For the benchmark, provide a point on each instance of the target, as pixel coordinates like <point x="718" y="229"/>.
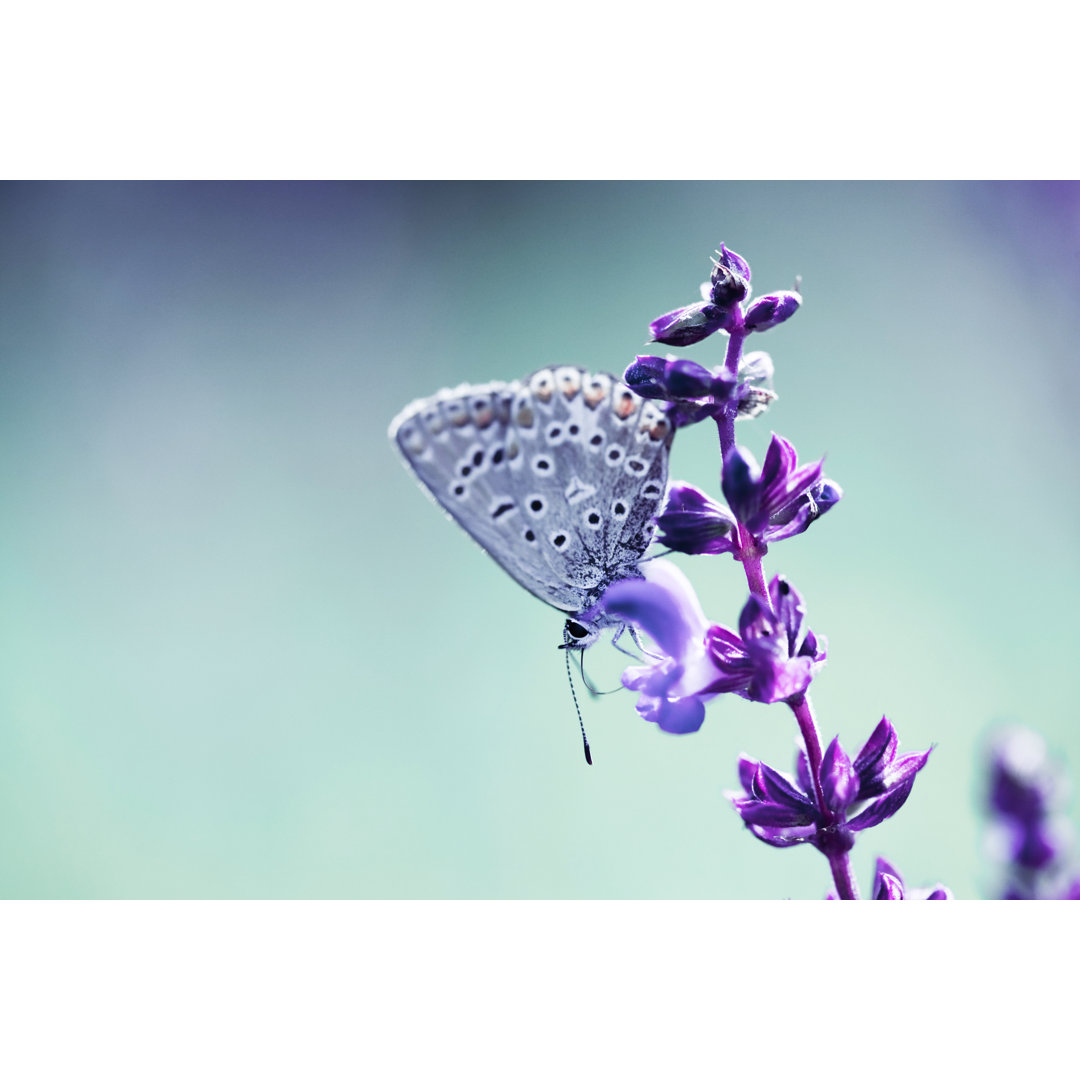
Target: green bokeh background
<point x="244" y="656"/>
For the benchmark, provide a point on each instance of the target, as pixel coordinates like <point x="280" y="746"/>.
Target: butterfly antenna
<point x="577" y="708"/>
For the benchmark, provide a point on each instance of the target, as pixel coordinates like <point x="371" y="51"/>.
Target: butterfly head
<point x="579" y="635"/>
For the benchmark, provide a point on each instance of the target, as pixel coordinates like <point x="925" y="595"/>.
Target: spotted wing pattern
<point x="557" y="476"/>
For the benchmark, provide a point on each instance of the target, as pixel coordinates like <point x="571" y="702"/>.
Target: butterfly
<point x="557" y="476"/>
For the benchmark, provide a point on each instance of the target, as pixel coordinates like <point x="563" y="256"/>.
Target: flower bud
<point x="886" y="887"/>
<point x="839" y="784"/>
<point x="687" y="325"/>
<point x="769" y="311"/>
<point x="645" y="376"/>
<point x="729" y="283"/>
<point x="740" y="480"/>
<point x="693" y="524"/>
<point x="687" y="381"/>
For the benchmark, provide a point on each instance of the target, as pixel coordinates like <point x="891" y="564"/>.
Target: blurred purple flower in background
<point x="1029" y="835"/>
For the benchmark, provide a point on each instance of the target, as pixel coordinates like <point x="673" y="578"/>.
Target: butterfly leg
<point x="632" y="630"/>
<point x="633" y="633"/>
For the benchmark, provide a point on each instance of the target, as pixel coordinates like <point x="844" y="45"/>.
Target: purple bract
<point x="781" y="498"/>
<point x="853" y="795"/>
<point x="774" y="656"/>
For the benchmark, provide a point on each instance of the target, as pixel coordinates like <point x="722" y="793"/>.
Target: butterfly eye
<point x="576" y="630"/>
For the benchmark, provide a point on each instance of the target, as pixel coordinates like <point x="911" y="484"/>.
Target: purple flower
<point x="1023" y="783"/>
<point x="783" y="811"/>
<point x="774" y="656"/>
<point x="781" y="499"/>
<point x="671" y="692"/>
<point x="695" y="525"/>
<point x="672" y="379"/>
<point x="889" y="885"/>
<point x="696" y="393"/>
<point x="688" y="325"/>
<point x="797" y="516"/>
<point x="882" y="773"/>
<point x="1028" y="832"/>
<point x="769" y="311"/>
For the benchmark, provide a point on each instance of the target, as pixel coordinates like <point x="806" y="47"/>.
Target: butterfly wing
<point x="556" y="476"/>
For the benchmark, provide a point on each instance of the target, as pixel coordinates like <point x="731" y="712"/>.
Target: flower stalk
<point x="772" y="655"/>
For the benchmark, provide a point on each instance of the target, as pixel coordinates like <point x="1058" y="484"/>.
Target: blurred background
<point x="243" y="655"/>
